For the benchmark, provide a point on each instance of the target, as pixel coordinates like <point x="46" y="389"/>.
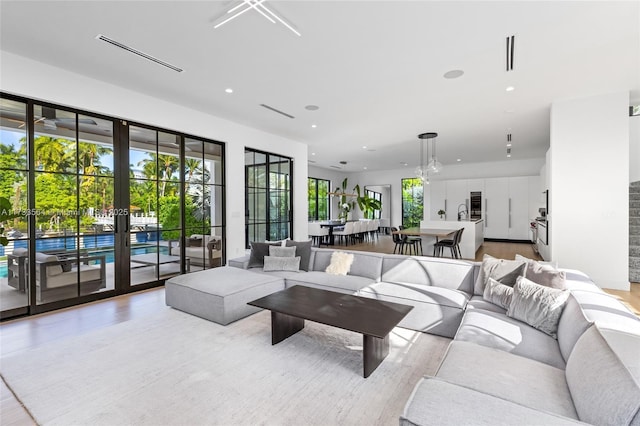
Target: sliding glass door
<point x="267" y="196"/>
<point x="93" y="206"/>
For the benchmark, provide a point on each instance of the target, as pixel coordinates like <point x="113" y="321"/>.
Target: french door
<point x="93" y="206"/>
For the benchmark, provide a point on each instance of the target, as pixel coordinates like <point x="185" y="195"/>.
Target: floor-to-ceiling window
<point x="318" y="197"/>
<point x="412" y="202"/>
<point x="268" y="195"/>
<point x="376" y="196"/>
<point x="101" y="206"/>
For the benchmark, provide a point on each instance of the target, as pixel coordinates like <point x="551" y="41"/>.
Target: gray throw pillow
<point x="276" y="263"/>
<point x="544" y="274"/>
<point x="504" y="271"/>
<point x="282" y="251"/>
<point x="303" y="249"/>
<point x="498" y="294"/>
<point x="537" y="305"/>
<point x="258" y="252"/>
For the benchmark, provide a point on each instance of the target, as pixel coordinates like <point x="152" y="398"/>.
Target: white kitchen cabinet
<point x="475" y="185"/>
<point x="496" y="208"/>
<point x="457" y="196"/>
<point x="519" y="219"/>
<point x="438" y="190"/>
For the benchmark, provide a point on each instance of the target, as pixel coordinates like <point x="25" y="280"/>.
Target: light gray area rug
<point x="172" y="368"/>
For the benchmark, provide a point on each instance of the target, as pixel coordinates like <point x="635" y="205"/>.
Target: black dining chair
<point x="398" y="240"/>
<point x="453" y="245"/>
<point x="412" y="242"/>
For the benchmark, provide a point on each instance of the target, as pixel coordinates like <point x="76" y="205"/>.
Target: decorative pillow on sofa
<point x="498" y="294"/>
<point x="504" y="271"/>
<point x="303" y="249"/>
<point x="258" y="252"/>
<point x="544" y="274"/>
<point x="537" y="305"/>
<point x="282" y="251"/>
<point x="340" y="263"/>
<point x="278" y="263"/>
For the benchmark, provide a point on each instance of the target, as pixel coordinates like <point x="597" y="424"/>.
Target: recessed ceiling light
<point x="508" y="155"/>
<point x="405" y="164"/>
<point x="510" y="88"/>
<point x="453" y="74"/>
<point x="228" y="90"/>
<point x="364" y="147"/>
<point x="314" y="126"/>
<point x="365" y="167"/>
<point x="459" y="159"/>
<point x="509" y="111"/>
<point x="313" y="153"/>
<point x="312" y="107"/>
<point x="508" y="144"/>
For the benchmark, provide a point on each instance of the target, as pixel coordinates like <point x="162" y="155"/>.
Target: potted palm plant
<point x="441" y="213"/>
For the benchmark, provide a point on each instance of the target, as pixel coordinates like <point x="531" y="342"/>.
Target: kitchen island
<point x="472" y="237"/>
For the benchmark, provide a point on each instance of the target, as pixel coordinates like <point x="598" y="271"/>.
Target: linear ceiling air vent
<point x="137" y="52"/>
<point x="511" y="40"/>
<point x="336" y="167"/>
<point x="276" y="110"/>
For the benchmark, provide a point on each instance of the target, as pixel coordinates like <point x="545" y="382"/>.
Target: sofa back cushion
<point x="603" y="374"/>
<point x="572" y="324"/>
<point x="446" y="273"/>
<point x="365" y="264"/>
<point x="52" y="270"/>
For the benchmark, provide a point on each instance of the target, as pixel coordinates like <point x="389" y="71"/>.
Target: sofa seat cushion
<point x="499" y="331"/>
<point x="505" y="375"/>
<point x="437" y="402"/>
<point x="478" y="302"/>
<point x="87" y="273"/>
<point x="420" y="293"/>
<point x="349" y="284"/>
<point x="220" y="294"/>
<point x="436" y="310"/>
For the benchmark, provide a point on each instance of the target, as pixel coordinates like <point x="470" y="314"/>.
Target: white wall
<point x="25" y="77"/>
<point x="589" y="172"/>
<point x="634" y="149"/>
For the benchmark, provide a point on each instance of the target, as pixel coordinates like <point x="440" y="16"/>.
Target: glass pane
<point x="168" y="162"/>
<point x="213" y="160"/>
<point x="55" y="139"/>
<point x="95" y="148"/>
<point x="13" y="136"/>
<point x="14" y="260"/>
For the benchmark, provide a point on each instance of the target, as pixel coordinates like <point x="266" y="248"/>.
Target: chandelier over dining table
<point x="433" y="166"/>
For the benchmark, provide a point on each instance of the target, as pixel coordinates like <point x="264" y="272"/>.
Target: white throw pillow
<point x="498" y="294"/>
<point x="537" y="305"/>
<point x="340" y="263"/>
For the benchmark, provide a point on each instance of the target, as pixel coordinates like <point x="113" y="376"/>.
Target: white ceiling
<point x="375" y="68"/>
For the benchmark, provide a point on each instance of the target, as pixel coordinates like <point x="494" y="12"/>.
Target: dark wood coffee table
<point x="373" y="318"/>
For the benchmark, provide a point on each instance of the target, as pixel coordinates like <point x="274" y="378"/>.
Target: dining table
<point x="331" y="224"/>
<point x="427" y="232"/>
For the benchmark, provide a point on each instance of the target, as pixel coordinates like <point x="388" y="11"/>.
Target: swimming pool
<point x="107" y="253"/>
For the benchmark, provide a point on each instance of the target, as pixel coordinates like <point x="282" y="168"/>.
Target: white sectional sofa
<point x="499" y="370"/>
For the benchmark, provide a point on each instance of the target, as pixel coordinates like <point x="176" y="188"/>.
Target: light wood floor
<point x="33" y="331"/>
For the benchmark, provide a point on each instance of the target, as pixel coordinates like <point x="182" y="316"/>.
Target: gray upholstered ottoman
<point x="220" y="294"/>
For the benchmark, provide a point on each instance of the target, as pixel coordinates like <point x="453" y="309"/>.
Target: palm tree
<point x="89" y="157"/>
<point x="53" y="154"/>
<point x="191" y="166"/>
